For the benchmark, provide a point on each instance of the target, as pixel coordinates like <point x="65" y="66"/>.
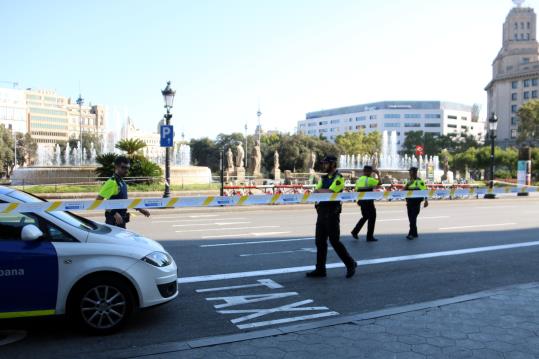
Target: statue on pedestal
<point x="312" y="162"/>
<point x="240" y="155"/>
<point x="229" y="160"/>
<point x="256" y="159"/>
<point x="276" y="167"/>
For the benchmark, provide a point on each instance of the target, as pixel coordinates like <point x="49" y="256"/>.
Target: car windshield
<point x="66" y="217"/>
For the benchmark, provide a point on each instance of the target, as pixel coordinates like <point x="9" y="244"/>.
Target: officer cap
<point x="413" y="169"/>
<point x="367" y="168"/>
<point x="329" y="159"/>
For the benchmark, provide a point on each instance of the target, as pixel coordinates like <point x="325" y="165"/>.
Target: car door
<point x="28" y="270"/>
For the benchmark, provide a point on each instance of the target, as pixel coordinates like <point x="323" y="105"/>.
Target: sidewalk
<point x="502" y="323"/>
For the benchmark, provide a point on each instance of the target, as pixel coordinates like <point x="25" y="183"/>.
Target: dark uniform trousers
<point x="328" y="226"/>
<point x="413" y="205"/>
<point x="368" y="214"/>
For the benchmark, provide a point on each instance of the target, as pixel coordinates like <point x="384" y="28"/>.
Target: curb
<point x="173" y="347"/>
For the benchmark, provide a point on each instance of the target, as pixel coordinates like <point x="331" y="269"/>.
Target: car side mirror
<point x="31" y="233"/>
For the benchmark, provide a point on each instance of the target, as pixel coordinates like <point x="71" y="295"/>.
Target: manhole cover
<point x="11" y="336"/>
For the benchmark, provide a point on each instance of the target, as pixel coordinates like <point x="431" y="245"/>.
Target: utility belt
<point x="126" y="216"/>
<point x="327" y="208"/>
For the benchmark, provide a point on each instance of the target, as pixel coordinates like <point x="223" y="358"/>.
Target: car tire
<point x="101" y="305"/>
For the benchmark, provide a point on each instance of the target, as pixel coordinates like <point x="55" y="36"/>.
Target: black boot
<point x="350" y="271"/>
<point x="317" y="273"/>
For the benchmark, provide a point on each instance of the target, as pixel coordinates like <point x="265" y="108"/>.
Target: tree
<point x="131" y="146"/>
<point x="7" y="153"/>
<point x="528" y="126"/>
<point x="354" y="143"/>
<point x="204" y="152"/>
<point x="26" y="149"/>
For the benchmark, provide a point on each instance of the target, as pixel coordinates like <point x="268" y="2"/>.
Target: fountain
<point x="394" y="165"/>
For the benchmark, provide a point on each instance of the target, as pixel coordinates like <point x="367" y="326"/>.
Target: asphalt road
<point x="244" y="270"/>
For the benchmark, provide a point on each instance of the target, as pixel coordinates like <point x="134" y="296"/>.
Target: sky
<point x="226" y="58"/>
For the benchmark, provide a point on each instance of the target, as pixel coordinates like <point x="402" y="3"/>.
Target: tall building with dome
<point x="515" y="71"/>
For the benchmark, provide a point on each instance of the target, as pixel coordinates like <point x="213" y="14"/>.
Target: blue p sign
<point x="167" y="136"/>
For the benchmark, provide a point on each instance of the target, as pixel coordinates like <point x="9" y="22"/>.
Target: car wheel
<point x="101" y="306"/>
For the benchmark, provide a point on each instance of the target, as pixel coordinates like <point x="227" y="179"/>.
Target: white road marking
<point x="287" y="320"/>
<point x="257" y="242"/>
<point x="248" y="299"/>
<point x="225" y="229"/>
<point x="478" y="226"/>
<point x="261" y="283"/>
<point x="310" y="250"/>
<point x="255" y="234"/>
<point x="277" y="271"/>
<point x="197" y="220"/>
<point x="204" y="215"/>
<point x="209" y="224"/>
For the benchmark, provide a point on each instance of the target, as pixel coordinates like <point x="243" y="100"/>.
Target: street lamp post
<point x="80" y="102"/>
<point x="492" y="126"/>
<point x="246" y="148"/>
<point x="168" y="96"/>
<point x="222" y="170"/>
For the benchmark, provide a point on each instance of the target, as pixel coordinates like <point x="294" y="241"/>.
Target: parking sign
<point x="167" y="136"/>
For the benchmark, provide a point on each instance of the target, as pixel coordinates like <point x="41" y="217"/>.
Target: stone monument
<point x="256" y="160"/>
<point x="312" y="163"/>
<point x="276" y="167"/>
<point x="240" y="170"/>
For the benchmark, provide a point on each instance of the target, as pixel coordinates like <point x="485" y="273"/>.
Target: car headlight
<point x="158" y="259"/>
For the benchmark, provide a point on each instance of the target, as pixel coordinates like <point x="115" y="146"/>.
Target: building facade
<point x="515" y="72"/>
<point x="439" y="118"/>
<point x="52" y="118"/>
<point x="13" y="110"/>
<point x="48" y="116"/>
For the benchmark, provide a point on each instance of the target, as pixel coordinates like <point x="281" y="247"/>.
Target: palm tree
<point x="131" y="146"/>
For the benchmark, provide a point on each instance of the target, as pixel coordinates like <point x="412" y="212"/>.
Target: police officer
<point x="367" y="183"/>
<point x="413" y="205"/>
<point x="116" y="188"/>
<point x="328" y="222"/>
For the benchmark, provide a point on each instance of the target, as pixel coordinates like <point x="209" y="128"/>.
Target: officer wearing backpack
<point x="116" y="188"/>
<point x="413" y="205"/>
<point x="328" y="222"/>
<point x="367" y="183"/>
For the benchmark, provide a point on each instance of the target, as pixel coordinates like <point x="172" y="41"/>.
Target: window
<point x="44" y="111"/>
<point x="516" y="26"/>
<point x="514" y="84"/>
<point x="321" y="123"/>
<point x="433" y="115"/>
<point x="372" y="117"/>
<point x="522" y="25"/>
<point x="361" y="118"/>
<point x="527" y="83"/>
<point x="514" y="96"/>
<point x="412" y="115"/>
<point x="11" y="225"/>
<point x="528" y="25"/>
<point x="535" y="82"/>
<point x="323" y="130"/>
<point x="335" y="121"/>
<point x="515" y="36"/>
<point x="513" y="133"/>
<point x="392" y="124"/>
<point x="526" y="60"/>
<point x="534" y="94"/>
<point x="464" y="128"/>
<point x="451" y="117"/>
<point x="527" y="36"/>
<point x="514" y="108"/>
<point x="358" y="127"/>
<point x="412" y="124"/>
<point x="392" y="115"/>
<point x="373" y="125"/>
<point x="514" y="121"/>
<point x="311" y="124"/>
<point x="526" y="95"/>
<point x="464" y="118"/>
<point x="432" y="125"/>
<point x="451" y="126"/>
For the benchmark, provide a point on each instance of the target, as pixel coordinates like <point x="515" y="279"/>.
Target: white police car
<point x="59" y="263"/>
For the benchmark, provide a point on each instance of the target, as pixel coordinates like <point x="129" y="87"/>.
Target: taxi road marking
<point x="248" y="315"/>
